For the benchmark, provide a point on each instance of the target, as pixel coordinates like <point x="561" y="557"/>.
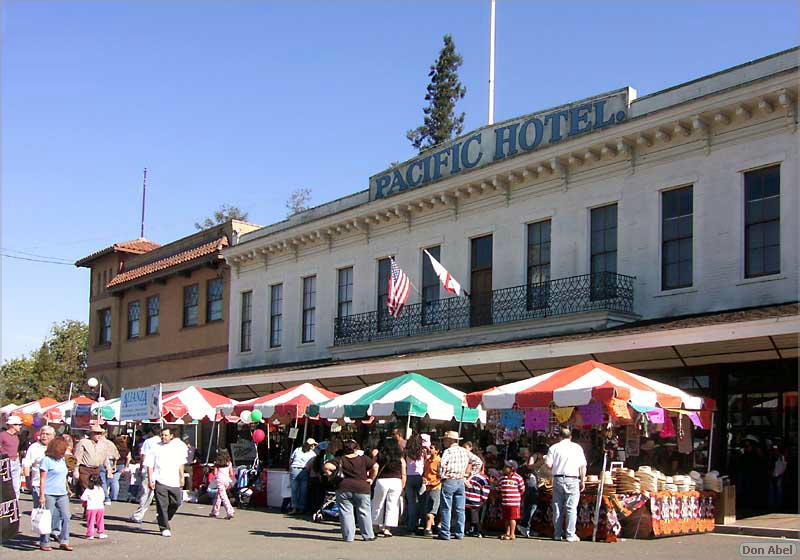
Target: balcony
<point x="603" y="291"/>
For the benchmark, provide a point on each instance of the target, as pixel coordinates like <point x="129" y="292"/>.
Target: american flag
<point x="399" y="287"/>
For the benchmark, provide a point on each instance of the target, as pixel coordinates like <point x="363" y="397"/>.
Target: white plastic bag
<point x="41" y="521"/>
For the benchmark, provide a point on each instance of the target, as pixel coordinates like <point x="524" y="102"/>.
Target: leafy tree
<point x="222" y="215"/>
<point x="48" y="371"/>
<point x="444" y="90"/>
<point x="299" y="201"/>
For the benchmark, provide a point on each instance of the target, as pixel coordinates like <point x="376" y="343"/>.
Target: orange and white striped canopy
<point x="581" y="383"/>
<point x="290" y="402"/>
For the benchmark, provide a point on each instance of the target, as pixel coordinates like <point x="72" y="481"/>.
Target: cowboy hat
<point x="451" y="435"/>
<point x="96" y="429"/>
<point x="14" y="420"/>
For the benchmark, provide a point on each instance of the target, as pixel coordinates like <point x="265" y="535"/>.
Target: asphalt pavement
<point x="260" y="534"/>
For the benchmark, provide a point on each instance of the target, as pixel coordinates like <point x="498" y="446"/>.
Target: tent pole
<point x="305" y="429"/>
<point x="599" y="497"/>
<point x="408" y="427"/>
<point x="711" y="441"/>
<point x="460" y="420"/>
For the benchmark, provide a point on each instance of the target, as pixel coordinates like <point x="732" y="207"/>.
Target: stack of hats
<point x="625" y="482"/>
<point x="648" y="479"/>
<point x="697" y="479"/>
<point x="682" y="482"/>
<point x="712" y="482"/>
<point x="609" y="487"/>
<point x="670" y="485"/>
<point x="592" y="482"/>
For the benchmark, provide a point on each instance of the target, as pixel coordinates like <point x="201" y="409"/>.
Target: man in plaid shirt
<point x="456" y="466"/>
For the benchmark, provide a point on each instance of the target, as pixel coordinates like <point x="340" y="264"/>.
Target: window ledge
<point x="245" y="352"/>
<point x="274" y="349"/>
<point x="677" y="292"/>
<point x="100" y="347"/>
<point x="197" y="326"/>
<point x="759" y="279"/>
<point x="214" y="321"/>
<point x="307" y="344"/>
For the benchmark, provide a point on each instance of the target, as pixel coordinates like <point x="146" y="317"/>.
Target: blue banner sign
<point x="502" y="141"/>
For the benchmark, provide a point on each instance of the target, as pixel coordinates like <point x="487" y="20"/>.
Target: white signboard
<point x="143" y="403"/>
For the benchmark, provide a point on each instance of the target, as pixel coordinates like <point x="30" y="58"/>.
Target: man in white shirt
<point x="146" y="493"/>
<point x="165" y="476"/>
<point x="568" y="463"/>
<point x="34" y="456"/>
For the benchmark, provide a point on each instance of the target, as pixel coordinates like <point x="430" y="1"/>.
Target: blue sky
<point x="242" y="102"/>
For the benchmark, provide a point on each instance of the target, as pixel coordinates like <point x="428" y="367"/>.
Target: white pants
<point x="386" y="502"/>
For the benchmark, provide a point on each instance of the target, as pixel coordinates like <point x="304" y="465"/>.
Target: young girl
<point x="94" y="498"/>
<point x="477" y="493"/>
<point x="512" y="488"/>
<point x="223" y="476"/>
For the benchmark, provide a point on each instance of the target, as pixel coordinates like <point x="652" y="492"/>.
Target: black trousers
<point x="168" y="500"/>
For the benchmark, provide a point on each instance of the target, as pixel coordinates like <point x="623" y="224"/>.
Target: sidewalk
<point x="786" y="525"/>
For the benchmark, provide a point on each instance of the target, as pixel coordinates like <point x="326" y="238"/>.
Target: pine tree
<point x="445" y="89"/>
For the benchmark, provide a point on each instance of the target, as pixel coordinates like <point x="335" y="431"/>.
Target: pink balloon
<point x="259" y="436"/>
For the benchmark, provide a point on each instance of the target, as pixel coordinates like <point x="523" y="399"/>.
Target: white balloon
<point x="245" y="416"/>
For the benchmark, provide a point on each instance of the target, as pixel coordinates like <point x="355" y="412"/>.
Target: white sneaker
<point x="573" y="538"/>
<point x="90" y="538"/>
<point x="166" y="533"/>
<point x="102" y="536"/>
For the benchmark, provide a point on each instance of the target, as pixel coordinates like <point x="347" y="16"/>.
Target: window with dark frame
<point x="215" y="290"/>
<point x="384" y="270"/>
<point x="153" y="304"/>
<point x="762" y="233"/>
<point x="603" y="250"/>
<point x="134" y="312"/>
<point x="275" y="315"/>
<point x="309" y="307"/>
<point x="430" y="286"/>
<point x="247" y="322"/>
<point x="344" y="298"/>
<point x="191" y="305"/>
<point x="104" y="321"/>
<point x="677" y="236"/>
<point x="538" y="264"/>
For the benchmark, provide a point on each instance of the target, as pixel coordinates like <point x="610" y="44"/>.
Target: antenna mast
<point x="144" y="198"/>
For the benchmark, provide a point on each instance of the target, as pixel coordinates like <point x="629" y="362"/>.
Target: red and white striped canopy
<point x="290" y="402"/>
<point x="581" y="383"/>
<point x="58" y="411"/>
<point x="34" y="407"/>
<point x="193" y="403"/>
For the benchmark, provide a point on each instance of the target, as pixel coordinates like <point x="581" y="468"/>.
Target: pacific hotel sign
<point x="502" y="141"/>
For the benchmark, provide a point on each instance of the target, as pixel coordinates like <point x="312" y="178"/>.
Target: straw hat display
<point x="648" y="479"/>
<point x="625" y="482"/>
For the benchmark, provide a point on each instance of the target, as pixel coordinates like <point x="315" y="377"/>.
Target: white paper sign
<point x="141" y="404"/>
<point x="293" y="433"/>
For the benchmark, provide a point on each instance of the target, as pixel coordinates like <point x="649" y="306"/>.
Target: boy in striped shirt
<point x="477" y="494"/>
<point x="512" y="488"/>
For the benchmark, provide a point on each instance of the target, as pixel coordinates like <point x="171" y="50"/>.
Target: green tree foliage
<point x="222" y="215"/>
<point x="48" y="371"/>
<point x="444" y="90"/>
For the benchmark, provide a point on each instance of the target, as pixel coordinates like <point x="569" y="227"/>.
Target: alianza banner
<point x="143" y="403"/>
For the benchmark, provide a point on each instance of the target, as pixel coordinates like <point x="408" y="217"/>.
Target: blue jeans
<point x="566" y="493"/>
<point x="413" y="501"/>
<point x="352" y="506"/>
<point x="453" y="499"/>
<point x="299" y="478"/>
<point x="59" y="510"/>
<point x="104" y="481"/>
<point x="114" y="490"/>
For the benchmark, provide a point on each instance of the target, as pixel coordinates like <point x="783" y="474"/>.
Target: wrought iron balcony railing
<point x="602" y="291"/>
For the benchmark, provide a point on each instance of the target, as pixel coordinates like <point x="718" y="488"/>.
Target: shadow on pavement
<point x="276" y="534"/>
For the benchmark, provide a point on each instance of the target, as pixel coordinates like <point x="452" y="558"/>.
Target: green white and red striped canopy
<point x="410" y="394"/>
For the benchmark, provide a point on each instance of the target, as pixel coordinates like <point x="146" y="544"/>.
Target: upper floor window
<point x="247" y="322"/>
<point x="677" y="211"/>
<point x="133" y="319"/>
<point x="214" y="293"/>
<point x="430" y="286"/>
<point x="309" y="307"/>
<point x="344" y="294"/>
<point x="275" y="315"/>
<point x="538" y="264"/>
<point x="762" y="213"/>
<point x="104" y="321"/>
<point x="384" y="270"/>
<point x="603" y="250"/>
<point x="153" y="304"/>
<point x="191" y="305"/>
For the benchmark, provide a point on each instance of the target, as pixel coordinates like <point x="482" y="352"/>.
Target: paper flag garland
<point x="563" y="413"/>
<point x="511" y="419"/>
<point x="536" y="419"/>
<point x="669" y="428"/>
<point x="619" y="409"/>
<point x="656" y="416"/>
<point x="591" y="413"/>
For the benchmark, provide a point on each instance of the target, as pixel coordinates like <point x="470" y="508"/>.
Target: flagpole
<point x="491" y="60"/>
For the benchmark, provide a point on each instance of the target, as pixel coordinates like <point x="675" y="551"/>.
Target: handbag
<point x="41" y="521"/>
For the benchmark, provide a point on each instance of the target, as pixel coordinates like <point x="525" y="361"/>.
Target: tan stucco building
<point x="159" y="313"/>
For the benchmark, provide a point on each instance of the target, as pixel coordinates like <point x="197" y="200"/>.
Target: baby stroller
<point x="329" y="511"/>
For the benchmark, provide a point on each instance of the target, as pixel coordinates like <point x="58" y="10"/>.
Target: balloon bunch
<point x="254" y="417"/>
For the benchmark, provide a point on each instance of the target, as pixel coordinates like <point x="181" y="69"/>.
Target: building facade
<point x="159" y="313"/>
<point x="658" y="234"/>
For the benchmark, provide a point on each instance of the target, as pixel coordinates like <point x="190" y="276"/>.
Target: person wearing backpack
<point x="352" y="474"/>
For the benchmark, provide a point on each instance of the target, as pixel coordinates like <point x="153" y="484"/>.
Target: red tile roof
<point x="168" y="262"/>
<point x="135" y="246"/>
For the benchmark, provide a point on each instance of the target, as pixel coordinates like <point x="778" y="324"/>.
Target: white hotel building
<point x="658" y="234"/>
